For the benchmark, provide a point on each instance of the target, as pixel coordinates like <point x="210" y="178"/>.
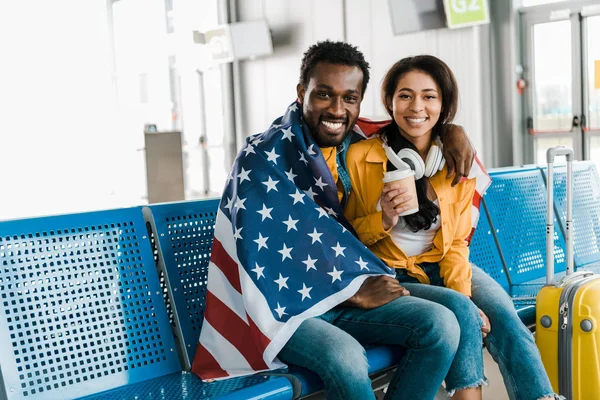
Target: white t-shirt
<point x="413" y="243"/>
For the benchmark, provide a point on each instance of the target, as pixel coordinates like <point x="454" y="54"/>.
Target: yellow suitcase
<point x="568" y="311"/>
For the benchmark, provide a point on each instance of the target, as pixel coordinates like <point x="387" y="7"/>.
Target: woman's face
<point x="416" y="106"/>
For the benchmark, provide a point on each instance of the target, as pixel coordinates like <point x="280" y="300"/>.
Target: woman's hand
<point x="486" y="327"/>
<point x="394" y="201"/>
<point x="458" y="152"/>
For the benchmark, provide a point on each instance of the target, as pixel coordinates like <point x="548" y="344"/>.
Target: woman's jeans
<point x="332" y="346"/>
<point x="510" y="343"/>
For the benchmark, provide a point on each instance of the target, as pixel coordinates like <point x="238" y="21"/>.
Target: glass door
<point x="562" y="88"/>
<point x="591" y="98"/>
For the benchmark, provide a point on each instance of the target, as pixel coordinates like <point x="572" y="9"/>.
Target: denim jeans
<point x="467" y="368"/>
<point x="510" y="343"/>
<point x="332" y="346"/>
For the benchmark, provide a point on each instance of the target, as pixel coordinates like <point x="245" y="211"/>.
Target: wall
<point x="269" y="84"/>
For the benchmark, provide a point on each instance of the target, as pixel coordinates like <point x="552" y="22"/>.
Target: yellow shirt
<point x="367" y="162"/>
<point x="329" y="153"/>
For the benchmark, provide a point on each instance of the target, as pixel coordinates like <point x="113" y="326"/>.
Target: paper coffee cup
<point x="405" y="178"/>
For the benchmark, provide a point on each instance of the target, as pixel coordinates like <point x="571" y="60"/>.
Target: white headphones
<point x="410" y="159"/>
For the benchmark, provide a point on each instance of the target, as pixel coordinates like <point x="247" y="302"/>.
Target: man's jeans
<point x="510" y="343"/>
<point x="332" y="346"/>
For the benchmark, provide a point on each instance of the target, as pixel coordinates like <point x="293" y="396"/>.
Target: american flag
<point x="367" y="128"/>
<point x="282" y="252"/>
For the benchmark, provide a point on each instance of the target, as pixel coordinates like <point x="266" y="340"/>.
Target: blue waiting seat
<point x="183" y="235"/>
<point x="586" y="210"/>
<point x="484" y="252"/>
<point x="83" y="315"/>
<point x="516" y="202"/>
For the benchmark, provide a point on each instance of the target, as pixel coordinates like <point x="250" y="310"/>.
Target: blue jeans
<point x="510" y="343"/>
<point x="332" y="346"/>
<point x="466" y="370"/>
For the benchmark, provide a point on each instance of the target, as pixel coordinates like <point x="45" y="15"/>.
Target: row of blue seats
<point x="109" y="304"/>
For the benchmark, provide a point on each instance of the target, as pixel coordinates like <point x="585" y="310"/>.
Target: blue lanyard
<point x="343" y="176"/>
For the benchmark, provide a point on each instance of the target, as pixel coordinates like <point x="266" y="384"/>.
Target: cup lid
<point x="398" y="174"/>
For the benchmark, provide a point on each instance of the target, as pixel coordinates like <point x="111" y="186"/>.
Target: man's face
<point x="331" y="102"/>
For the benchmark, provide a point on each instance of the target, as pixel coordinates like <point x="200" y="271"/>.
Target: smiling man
<point x="289" y="281"/>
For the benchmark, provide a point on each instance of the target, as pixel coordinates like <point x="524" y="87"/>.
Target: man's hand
<point x="458" y="152"/>
<point x="377" y="291"/>
<point x="394" y="201"/>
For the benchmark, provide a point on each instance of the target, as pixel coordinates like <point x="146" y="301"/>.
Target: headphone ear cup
<point x="435" y="161"/>
<point x="415" y="161"/>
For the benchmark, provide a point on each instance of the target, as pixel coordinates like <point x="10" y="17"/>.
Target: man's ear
<point x="300" y="91"/>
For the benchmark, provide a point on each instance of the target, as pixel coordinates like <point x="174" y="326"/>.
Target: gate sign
<point x="461" y="13"/>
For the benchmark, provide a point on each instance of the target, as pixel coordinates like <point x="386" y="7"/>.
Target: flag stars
<point x="261" y="241"/>
<point x="271" y="185"/>
<point x="282" y="282"/>
<point x="322" y="213"/>
<point x="335" y="275"/>
<point x="291" y="223"/>
<point x="237" y="235"/>
<point x="310" y="263"/>
<point x="290" y="175"/>
<point x="331" y="212"/>
<point x="249" y="149"/>
<point x="265" y="212"/>
<point x="302" y="158"/>
<point x="311" y="151"/>
<point x="243" y="175"/>
<point x="280" y="310"/>
<point x="257" y="140"/>
<point x="287" y="134"/>
<point x="319" y="182"/>
<point x="363" y="264"/>
<point x="293" y="107"/>
<point x="229" y="204"/>
<point x="239" y="203"/>
<point x="258" y="270"/>
<point x="305" y="292"/>
<point x="285" y="252"/>
<point x="316" y="236"/>
<point x="298" y="197"/>
<point x="272" y="156"/>
<point x="310" y="193"/>
<point x="339" y="250"/>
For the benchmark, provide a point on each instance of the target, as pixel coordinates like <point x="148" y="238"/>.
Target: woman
<point x="429" y="248"/>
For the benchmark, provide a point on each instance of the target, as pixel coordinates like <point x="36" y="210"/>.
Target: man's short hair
<point x="334" y="53"/>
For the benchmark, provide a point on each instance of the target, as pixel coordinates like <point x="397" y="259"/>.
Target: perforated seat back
<point x="183" y="232"/>
<point x="483" y="250"/>
<point x="586" y="209"/>
<point x="516" y="202"/>
<point x="81" y="306"/>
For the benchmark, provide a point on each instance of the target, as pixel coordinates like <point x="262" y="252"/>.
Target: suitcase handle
<point x="573" y="277"/>
<point x="551" y="153"/>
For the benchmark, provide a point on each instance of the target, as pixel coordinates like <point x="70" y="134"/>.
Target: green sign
<point x="460" y="13"/>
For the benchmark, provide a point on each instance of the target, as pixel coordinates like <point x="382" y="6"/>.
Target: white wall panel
<point x="369" y="26"/>
<point x="269" y="84"/>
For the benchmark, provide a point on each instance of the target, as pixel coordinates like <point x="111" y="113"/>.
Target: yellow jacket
<point x="367" y="162"/>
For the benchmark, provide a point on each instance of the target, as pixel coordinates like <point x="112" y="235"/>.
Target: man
<point x="288" y="281"/>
